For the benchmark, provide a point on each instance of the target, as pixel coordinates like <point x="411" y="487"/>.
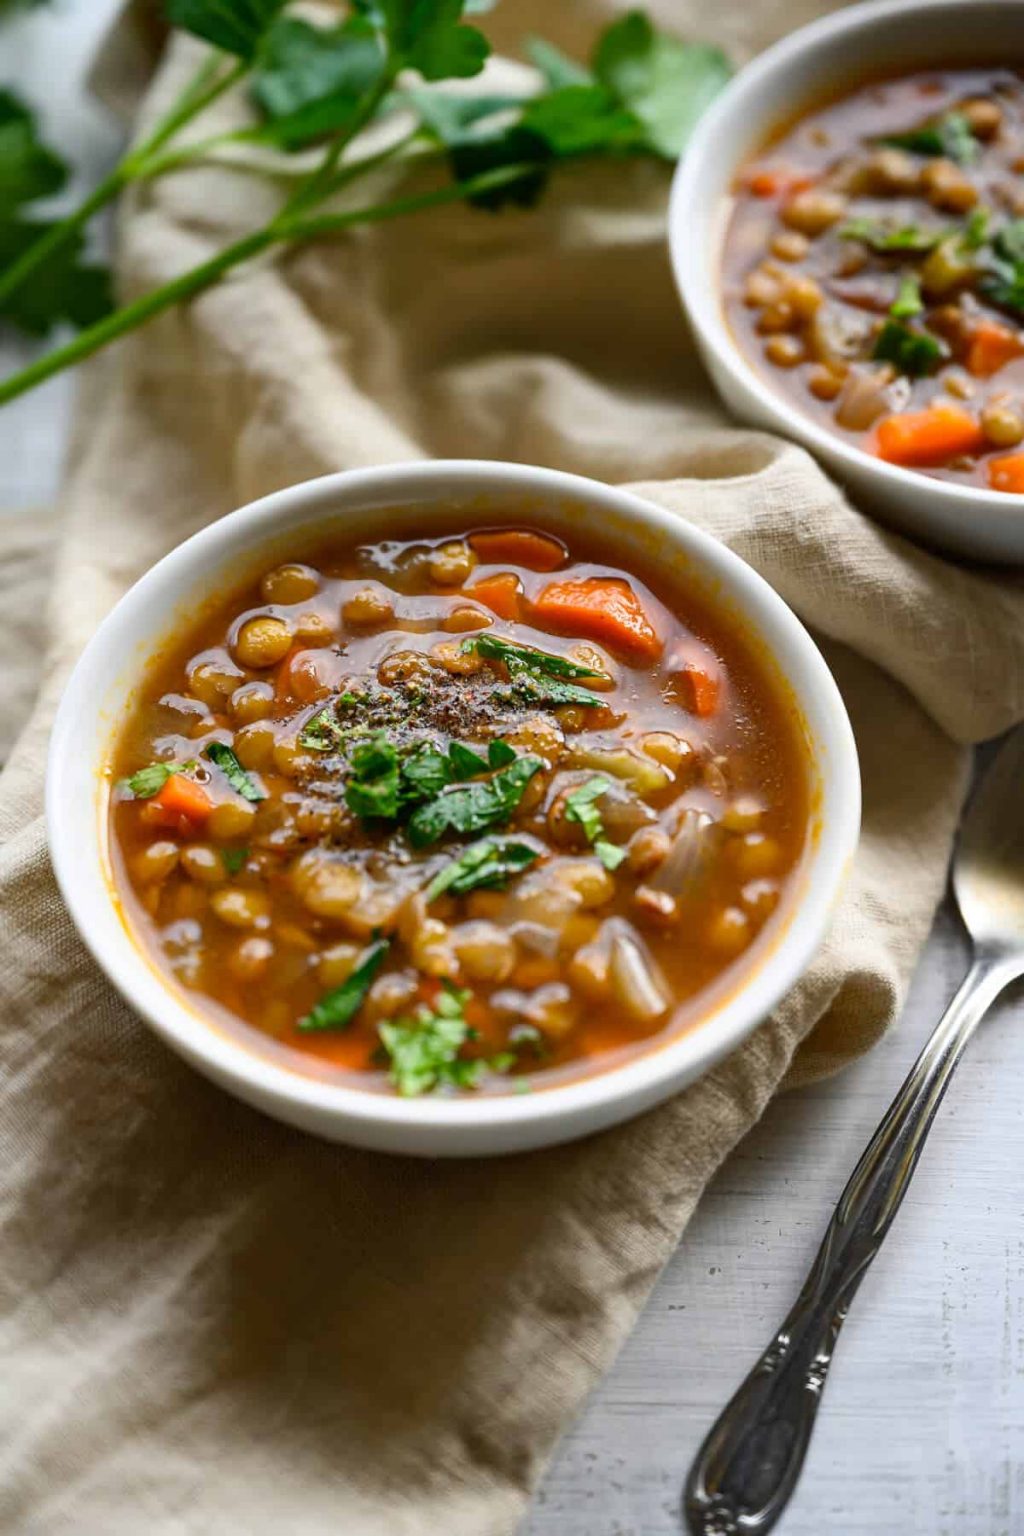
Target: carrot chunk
<point x="992" y="346"/>
<point x="1006" y="473"/>
<point x="518" y="546"/>
<point x="498" y="593"/>
<point x="182" y="804"/>
<point x="600" y="608"/>
<point x="933" y="436"/>
<point x="700" y="689"/>
<point x="776" y="181"/>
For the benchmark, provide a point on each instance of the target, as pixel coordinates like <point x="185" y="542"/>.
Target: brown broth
<point x="824" y="359"/>
<point x="223" y="904"/>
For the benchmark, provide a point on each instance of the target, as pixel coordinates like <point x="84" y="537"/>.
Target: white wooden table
<point x="923" y="1428"/>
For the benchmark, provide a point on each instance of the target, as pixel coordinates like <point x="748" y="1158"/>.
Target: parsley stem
<point x="197" y="95"/>
<point x="315" y="187"/>
<point x="287" y="228"/>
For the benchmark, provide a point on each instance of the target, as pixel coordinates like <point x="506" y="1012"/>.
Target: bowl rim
<point x="642" y="1079"/>
<point x="694" y="262"/>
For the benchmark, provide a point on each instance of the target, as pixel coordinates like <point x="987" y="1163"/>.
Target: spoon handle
<point x="747" y="1468"/>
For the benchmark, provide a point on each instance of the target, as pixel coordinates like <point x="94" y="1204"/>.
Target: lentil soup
<point x="874" y="271"/>
<point x="460" y="813"/>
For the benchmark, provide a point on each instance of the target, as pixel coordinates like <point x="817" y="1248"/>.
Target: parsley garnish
<point x="1004" y="281"/>
<point x="234" y="859"/>
<point x="949" y="135"/>
<point x="233" y="771"/>
<point x="491" y="862"/>
<point x="337" y="1008"/>
<point x="914" y="353"/>
<point x="149" y="781"/>
<point x="468" y="808"/>
<point x="372" y="787"/>
<point x="323" y="731"/>
<point x="380" y="784"/>
<point x="907" y="302"/>
<point x="580" y="806"/>
<point x="884" y="237"/>
<point x="535" y="677"/>
<point x="423" y="1051"/>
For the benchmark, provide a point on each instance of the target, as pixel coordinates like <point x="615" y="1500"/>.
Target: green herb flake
<point x="907" y="302"/>
<point x="337" y="1008"/>
<point x="949" y="136"/>
<point x="494" y="648"/>
<point x="914" y="353"/>
<point x="149" y="781"/>
<point x="466" y="764"/>
<point x="486" y="864"/>
<point x="241" y="782"/>
<point x="580" y="806"/>
<point x="372" y="788"/>
<point x="1003" y="282"/>
<point x="423" y="1051"/>
<point x="234" y="859"/>
<point x="469" y="808"/>
<point x="881" y="237"/>
<point x="323" y="732"/>
<point x="500" y="754"/>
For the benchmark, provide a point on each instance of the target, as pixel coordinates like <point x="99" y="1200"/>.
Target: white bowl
<point x="827" y="58"/>
<point x="100" y="692"/>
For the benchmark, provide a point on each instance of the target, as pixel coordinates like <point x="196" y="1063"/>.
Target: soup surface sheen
<point x="874" y="270"/>
<point x="457" y="813"/>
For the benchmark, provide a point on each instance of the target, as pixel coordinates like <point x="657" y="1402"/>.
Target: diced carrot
<point x="498" y="593"/>
<point x="600" y="608"/>
<point x="775" y="181"/>
<point x="1006" y="473"/>
<point x="182" y="804"/>
<point x="518" y="546"/>
<point x="703" y="689"/>
<point x="992" y="346"/>
<point x="933" y="436"/>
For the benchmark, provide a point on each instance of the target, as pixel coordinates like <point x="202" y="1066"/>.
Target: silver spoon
<point x="748" y="1466"/>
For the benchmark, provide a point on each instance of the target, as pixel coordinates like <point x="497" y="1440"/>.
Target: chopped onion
<point x="687" y="858"/>
<point x="634" y="977"/>
<point x="538" y="938"/>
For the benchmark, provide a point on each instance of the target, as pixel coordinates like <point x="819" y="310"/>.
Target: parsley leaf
<point x="949" y="135"/>
<point x="337" y="1008"/>
<point x="884" y="237"/>
<point x="62" y="287"/>
<point x="1004" y="281"/>
<point x="556" y="67"/>
<point x="323" y="731"/>
<point x="907" y="302"/>
<point x="666" y="84"/>
<point x="580" y="807"/>
<point x="914" y="353"/>
<point x="233" y="771"/>
<point x="467" y="808"/>
<point x="535" y="677"/>
<point x="494" y="648"/>
<point x="237" y="26"/>
<point x="372" y="788"/>
<point x="500" y="754"/>
<point x="426" y="773"/>
<point x="423" y="1051"/>
<point x="491" y="862"/>
<point x="311" y="80"/>
<point x="428" y="35"/>
<point x="149" y="781"/>
<point x="234" y="859"/>
<point x="466" y="763"/>
<point x="27" y="168"/>
<point x="578" y="119"/>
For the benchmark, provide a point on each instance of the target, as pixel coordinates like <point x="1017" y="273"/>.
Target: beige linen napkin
<point x="208" y="1322"/>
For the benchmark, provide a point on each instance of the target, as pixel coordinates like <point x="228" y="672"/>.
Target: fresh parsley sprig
<point x="337" y="1008"/>
<point x="321" y="86"/>
<point x="535" y="677"/>
<point x="149" y="781"/>
<point x="423" y="1051"/>
<point x="491" y="862"/>
<point x="580" y="806"/>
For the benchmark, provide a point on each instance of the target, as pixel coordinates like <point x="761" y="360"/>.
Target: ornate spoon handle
<point x="749" y="1463"/>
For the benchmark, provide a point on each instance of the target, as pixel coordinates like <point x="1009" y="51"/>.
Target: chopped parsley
<point x="337" y="1008"/>
<point x="423" y="1051"/>
<point x="914" y="353"/>
<point x="535" y="677"/>
<point x="907" y="302"/>
<point x="231" y="768"/>
<point x="885" y="237"/>
<point x="149" y="781"/>
<point x="473" y="807"/>
<point x="949" y="136"/>
<point x="1003" y="282"/>
<point x="580" y="807"/>
<point x="490" y="862"/>
<point x="234" y="859"/>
